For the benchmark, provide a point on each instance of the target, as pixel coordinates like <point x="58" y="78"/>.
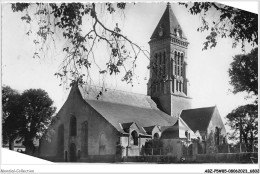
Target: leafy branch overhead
<point x="82" y="27"/>
<point x="239" y="25"/>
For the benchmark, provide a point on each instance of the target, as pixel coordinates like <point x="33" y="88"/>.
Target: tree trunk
<point x="251" y="141"/>
<point x="29" y="147"/>
<point x="245" y="134"/>
<point x="11" y="143"/>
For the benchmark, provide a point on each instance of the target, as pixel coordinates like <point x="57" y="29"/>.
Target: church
<point x="118" y="124"/>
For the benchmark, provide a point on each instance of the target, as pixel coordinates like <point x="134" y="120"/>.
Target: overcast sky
<point x="208" y="70"/>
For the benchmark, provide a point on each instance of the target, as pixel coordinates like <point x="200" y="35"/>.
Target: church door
<point x="73" y="154"/>
<point x="84" y="138"/>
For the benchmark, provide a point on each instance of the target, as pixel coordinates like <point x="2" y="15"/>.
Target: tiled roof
<point x="169" y="23"/>
<point x="198" y="119"/>
<point x="119" y="107"/>
<point x="117" y="97"/>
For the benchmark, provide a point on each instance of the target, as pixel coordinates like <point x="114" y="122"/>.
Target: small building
<point x="208" y="124"/>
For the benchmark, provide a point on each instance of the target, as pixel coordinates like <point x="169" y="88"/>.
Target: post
<point x="127" y="147"/>
<point x="139" y="144"/>
<point x="240" y="136"/>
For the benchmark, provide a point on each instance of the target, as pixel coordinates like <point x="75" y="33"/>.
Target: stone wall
<point x="97" y="127"/>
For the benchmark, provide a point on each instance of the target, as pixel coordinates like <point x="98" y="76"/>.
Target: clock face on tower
<point x="160" y="32"/>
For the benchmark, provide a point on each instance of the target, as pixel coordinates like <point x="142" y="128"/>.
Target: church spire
<point x="168" y="84"/>
<point x="168" y="5"/>
<point x="168" y="25"/>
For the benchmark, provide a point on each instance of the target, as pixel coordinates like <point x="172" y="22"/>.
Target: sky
<point x="208" y="70"/>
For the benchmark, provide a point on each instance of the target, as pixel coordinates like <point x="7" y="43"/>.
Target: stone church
<point x="118" y="124"/>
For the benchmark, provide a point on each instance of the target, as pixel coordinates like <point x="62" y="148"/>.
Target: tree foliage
<point x="244" y="73"/>
<point x="36" y="116"/>
<point x="244" y="121"/>
<point x="152" y="147"/>
<point x="26" y="116"/>
<point x="239" y="25"/>
<point x="11" y="109"/>
<point x="82" y="28"/>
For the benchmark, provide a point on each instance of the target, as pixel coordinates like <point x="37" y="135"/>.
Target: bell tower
<point x="168" y="84"/>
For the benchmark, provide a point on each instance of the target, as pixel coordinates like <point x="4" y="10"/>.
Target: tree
<point x="244" y="121"/>
<point x="239" y="25"/>
<point x="11" y="110"/>
<point x="82" y="28"/>
<point x="244" y="73"/>
<point x="152" y="147"/>
<point x="37" y="115"/>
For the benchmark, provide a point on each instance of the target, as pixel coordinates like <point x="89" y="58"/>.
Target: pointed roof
<point x="149" y="129"/>
<point x="127" y="126"/>
<point x="125" y="108"/>
<point x="198" y="119"/>
<point x="168" y="24"/>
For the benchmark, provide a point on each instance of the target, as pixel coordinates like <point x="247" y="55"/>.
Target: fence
<point x="157" y="155"/>
<point x="151" y="159"/>
<point x="248" y="157"/>
<point x="152" y="151"/>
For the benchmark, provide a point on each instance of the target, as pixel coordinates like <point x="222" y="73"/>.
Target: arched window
<point x="156" y="136"/>
<point x="217" y="133"/>
<point x="73" y="126"/>
<point x="175" y="63"/>
<point x="186" y="134"/>
<point x="171" y="66"/>
<point x="102" y="144"/>
<point x="60" y="142"/>
<point x="164" y="61"/>
<point x="178" y="64"/>
<point x="84" y="138"/>
<point x="173" y="86"/>
<point x="181" y="65"/>
<point x="134" y="138"/>
<point x="156" y="64"/>
<point x="178" y="60"/>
